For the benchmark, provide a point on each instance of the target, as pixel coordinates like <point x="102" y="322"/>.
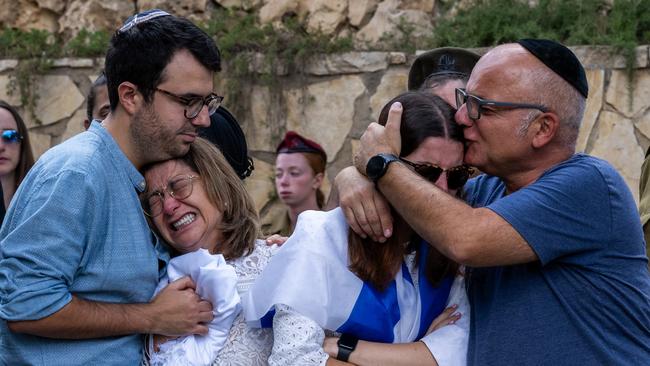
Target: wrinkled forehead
<point x="159" y="174"/>
<point x="504" y="68"/>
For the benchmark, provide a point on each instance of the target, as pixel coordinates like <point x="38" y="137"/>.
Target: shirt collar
<point x="117" y="155"/>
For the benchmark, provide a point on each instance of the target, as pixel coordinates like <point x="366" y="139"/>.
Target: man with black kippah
<point x="552" y="240"/>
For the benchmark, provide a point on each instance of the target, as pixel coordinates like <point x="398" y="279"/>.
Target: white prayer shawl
<point x="310" y="274"/>
<point x="216" y="282"/>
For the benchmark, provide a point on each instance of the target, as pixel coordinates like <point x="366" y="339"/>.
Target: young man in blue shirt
<point x="78" y="263"/>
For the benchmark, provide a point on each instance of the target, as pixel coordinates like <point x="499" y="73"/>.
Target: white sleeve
<point x="448" y="344"/>
<point x="297" y="340"/>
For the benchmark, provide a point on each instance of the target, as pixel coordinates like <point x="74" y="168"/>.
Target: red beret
<point x="293" y="143"/>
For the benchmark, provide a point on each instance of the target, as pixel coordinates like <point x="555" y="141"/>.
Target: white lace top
<point x="248" y="346"/>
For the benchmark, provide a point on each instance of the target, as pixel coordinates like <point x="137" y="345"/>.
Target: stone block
<point x="74" y="125"/>
<point x="274" y="10"/>
<point x="73" y="62"/>
<point x="58" y="98"/>
<point x="325" y="16"/>
<point x="239" y="4"/>
<point x="426" y="6"/>
<point x="599" y="57"/>
<point x="355" y="145"/>
<point x="618" y="94"/>
<point x="360" y="10"/>
<point x="325" y="111"/>
<point x="8" y="65"/>
<point x="397" y="58"/>
<point x="348" y="63"/>
<point x="26" y="14"/>
<point x="643" y="124"/>
<point x="94" y="15"/>
<point x="182" y="8"/>
<point x="386" y="19"/>
<point x="5" y="94"/>
<point x="261" y="65"/>
<point x="40" y="143"/>
<point x="55" y="6"/>
<point x="617" y="144"/>
<point x="259" y="134"/>
<point x="596" y="80"/>
<point x="393" y="83"/>
<point x="260" y="185"/>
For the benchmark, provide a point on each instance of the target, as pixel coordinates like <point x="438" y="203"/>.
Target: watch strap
<point x="347" y="343"/>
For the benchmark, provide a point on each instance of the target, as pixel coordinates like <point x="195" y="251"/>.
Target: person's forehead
<point x="160" y="173"/>
<point x="186" y="72"/>
<point x="502" y="72"/>
<point x="289" y="160"/>
<point x="101" y="96"/>
<point x="7" y="119"/>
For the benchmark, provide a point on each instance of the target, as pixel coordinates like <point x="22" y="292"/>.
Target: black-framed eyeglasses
<point x="178" y="187"/>
<point x="475" y="104"/>
<point x="11" y="136"/>
<point x="193" y="105"/>
<point x="456" y="176"/>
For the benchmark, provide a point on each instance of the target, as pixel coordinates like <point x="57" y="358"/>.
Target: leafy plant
<point x="87" y="44"/>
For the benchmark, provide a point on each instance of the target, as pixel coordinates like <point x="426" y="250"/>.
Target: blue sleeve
<point x="43" y="241"/>
<point x="565" y="213"/>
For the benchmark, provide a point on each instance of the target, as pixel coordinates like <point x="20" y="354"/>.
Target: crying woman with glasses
<point x="15" y="151"/>
<point x="378" y="299"/>
<point x="198" y="205"/>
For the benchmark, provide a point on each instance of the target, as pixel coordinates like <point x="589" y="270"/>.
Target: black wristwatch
<point x="378" y="165"/>
<point x="347" y="343"/>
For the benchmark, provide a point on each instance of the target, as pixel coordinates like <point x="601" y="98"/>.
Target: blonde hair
<point x="240" y="222"/>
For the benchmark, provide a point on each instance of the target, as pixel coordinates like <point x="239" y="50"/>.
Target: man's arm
<point x="176" y="311"/>
<point x="471" y="236"/>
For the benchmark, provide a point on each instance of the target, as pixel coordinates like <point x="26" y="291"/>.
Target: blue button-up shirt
<point x="75" y="227"/>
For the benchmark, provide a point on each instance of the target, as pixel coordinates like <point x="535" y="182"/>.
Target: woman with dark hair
<point x="16" y="156"/>
<point x="198" y="205"/>
<point x="299" y="173"/>
<point x="387" y="292"/>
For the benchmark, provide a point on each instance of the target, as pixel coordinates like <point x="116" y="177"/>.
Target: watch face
<point x="375" y="167"/>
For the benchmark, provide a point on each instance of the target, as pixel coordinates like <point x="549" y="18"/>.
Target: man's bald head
<point x="513" y="68"/>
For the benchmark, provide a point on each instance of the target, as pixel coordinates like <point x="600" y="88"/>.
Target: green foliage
<point x="285" y="46"/>
<point x="572" y="22"/>
<point x="623" y="25"/>
<point x="239" y="36"/>
<point x="36" y="49"/>
<point x="27" y="44"/>
<point x="88" y="44"/>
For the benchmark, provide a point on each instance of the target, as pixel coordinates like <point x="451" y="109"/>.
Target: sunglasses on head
<point x="456" y="176"/>
<point x="11" y="136"/>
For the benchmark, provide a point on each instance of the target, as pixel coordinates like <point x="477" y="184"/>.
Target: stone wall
<point x="338" y="95"/>
<point x="365" y="20"/>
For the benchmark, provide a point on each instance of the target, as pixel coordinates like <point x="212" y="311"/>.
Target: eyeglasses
<point x="11" y="136"/>
<point x="178" y="187"/>
<point x="456" y="176"/>
<point x="475" y="104"/>
<point x="193" y="105"/>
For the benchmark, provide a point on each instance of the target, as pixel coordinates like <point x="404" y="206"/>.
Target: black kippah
<point x="559" y="59"/>
<point x="225" y="133"/>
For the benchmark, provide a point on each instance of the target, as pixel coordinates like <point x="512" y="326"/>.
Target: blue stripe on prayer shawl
<point x="267" y="319"/>
<point x="374" y="314"/>
<point x="433" y="299"/>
